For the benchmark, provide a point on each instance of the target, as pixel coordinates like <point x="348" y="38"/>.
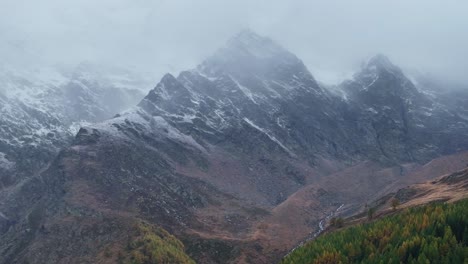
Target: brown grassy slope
<point x="446" y="188"/>
<point x="295" y="219"/>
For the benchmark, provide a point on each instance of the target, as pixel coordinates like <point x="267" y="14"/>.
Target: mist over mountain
<point x="220" y="156"/>
<point x="123" y="141"/>
<point x="331" y="37"/>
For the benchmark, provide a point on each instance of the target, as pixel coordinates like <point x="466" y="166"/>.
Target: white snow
<point x="75" y="126"/>
<point x="3" y="216"/>
<point x="161" y="125"/>
<point x="272" y="138"/>
<point x="5" y="163"/>
<point x="244" y="90"/>
<point x="280" y="122"/>
<point x="427" y="111"/>
<point x="274" y="93"/>
<point x="364" y="88"/>
<point x="200" y="72"/>
<point x="162" y="91"/>
<point x="156" y="125"/>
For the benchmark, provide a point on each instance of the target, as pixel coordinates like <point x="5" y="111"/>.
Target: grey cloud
<point x="332" y="37"/>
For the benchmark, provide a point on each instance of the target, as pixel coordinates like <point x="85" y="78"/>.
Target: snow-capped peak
<point x="249" y="43"/>
<point x="249" y="54"/>
<point x="380" y="63"/>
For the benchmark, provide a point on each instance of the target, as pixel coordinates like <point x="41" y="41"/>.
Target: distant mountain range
<point x="42" y="110"/>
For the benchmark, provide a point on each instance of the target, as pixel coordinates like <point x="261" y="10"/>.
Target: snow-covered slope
<point x="408" y="121"/>
<point x="41" y="110"/>
<point x="261" y="104"/>
<point x="252" y="82"/>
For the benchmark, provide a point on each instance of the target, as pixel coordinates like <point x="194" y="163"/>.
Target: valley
<point x="431" y="211"/>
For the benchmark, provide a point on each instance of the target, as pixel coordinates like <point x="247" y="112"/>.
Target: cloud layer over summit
<point x="331" y="37"/>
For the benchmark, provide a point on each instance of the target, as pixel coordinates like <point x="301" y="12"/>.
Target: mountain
<point x="451" y="94"/>
<point x="240" y="158"/>
<point x="41" y="111"/>
<point x="407" y="123"/>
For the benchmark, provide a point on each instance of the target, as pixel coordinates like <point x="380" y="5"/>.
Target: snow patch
<point x="244" y="90"/>
<point x="158" y="123"/>
<point x="372" y="110"/>
<point x="5" y="163"/>
<point x="75" y="127"/>
<point x="274" y="93"/>
<point x="210" y="78"/>
<point x="281" y="122"/>
<point x="272" y="138"/>
<point x="365" y="88"/>
<point x="152" y="124"/>
<point x="3" y="216"/>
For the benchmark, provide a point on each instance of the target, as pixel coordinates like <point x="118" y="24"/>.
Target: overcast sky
<point x="331" y="37"/>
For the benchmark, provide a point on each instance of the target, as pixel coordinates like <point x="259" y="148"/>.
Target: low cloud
<point x="332" y="37"/>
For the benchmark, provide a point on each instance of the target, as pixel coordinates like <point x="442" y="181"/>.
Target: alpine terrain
<point x="238" y="160"/>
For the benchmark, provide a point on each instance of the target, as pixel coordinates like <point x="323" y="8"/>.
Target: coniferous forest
<point x="435" y="233"/>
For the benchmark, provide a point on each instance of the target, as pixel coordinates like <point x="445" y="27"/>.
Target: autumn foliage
<point x="436" y="233"/>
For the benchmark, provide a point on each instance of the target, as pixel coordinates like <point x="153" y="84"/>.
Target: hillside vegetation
<point x="154" y="245"/>
<point x="435" y="233"/>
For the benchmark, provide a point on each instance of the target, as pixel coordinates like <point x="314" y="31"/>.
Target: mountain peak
<point x="380" y="80"/>
<point x="248" y="53"/>
<point x="249" y="43"/>
<point x="380" y="59"/>
<point x="168" y="78"/>
<point x="381" y="63"/>
<point x="248" y="39"/>
<point x="247" y="35"/>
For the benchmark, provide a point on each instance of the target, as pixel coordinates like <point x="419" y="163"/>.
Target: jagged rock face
<point x="255" y="100"/>
<point x="253" y="82"/>
<point x="449" y="94"/>
<point x="384" y="117"/>
<point x="407" y="124"/>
